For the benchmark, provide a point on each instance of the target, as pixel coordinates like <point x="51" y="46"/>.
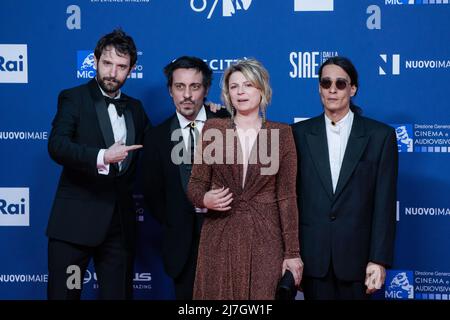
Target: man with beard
<point x="95" y="133"/>
<point x="167" y="164"/>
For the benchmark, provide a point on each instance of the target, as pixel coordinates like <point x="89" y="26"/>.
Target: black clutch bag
<point x="286" y="289"/>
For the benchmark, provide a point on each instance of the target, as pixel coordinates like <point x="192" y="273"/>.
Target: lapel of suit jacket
<point x="318" y="146"/>
<point x="131" y="138"/>
<point x="102" y="115"/>
<point x="105" y="123"/>
<point x="356" y="144"/>
<point x="254" y="167"/>
<point x="183" y="168"/>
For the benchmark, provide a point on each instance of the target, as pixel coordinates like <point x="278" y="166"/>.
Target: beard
<point x="191" y="110"/>
<point x="109" y="85"/>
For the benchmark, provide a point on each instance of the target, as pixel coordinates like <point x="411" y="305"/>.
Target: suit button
<point x="332" y="218"/>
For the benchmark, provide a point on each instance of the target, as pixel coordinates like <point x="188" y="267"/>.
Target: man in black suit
<point x="167" y="166"/>
<point x="95" y="132"/>
<point x="346" y="186"/>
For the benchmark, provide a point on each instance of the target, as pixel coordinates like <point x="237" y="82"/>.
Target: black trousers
<point x="331" y="288"/>
<point x="184" y="283"/>
<point x="113" y="262"/>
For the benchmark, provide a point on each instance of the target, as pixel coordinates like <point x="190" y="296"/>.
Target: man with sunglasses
<point x="346" y="187"/>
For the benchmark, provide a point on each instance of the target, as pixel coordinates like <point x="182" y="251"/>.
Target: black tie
<point x="120" y="104"/>
<point x="192" y="132"/>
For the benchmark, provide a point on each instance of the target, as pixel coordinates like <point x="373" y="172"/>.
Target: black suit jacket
<point x="356" y="224"/>
<point x="85" y="200"/>
<point x="165" y="187"/>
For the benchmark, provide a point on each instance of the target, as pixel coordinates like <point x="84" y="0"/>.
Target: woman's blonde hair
<point x="254" y="72"/>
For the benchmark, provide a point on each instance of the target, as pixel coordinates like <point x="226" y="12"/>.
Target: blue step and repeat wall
<point x="401" y="49"/>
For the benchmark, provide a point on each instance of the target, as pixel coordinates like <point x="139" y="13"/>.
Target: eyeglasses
<point x="340" y="84"/>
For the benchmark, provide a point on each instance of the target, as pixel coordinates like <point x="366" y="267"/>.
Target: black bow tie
<point x="120" y="104"/>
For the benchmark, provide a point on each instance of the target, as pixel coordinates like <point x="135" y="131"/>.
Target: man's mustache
<point x="110" y="79"/>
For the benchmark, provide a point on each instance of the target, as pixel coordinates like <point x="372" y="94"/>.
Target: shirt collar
<point x="343" y="122"/>
<point x="201" y="116"/>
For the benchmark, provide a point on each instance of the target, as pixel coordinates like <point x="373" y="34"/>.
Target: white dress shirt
<point x="337" y="137"/>
<point x="120" y="134"/>
<point x="185" y="130"/>
<point x="184" y="125"/>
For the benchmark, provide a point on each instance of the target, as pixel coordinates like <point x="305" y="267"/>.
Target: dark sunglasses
<point x="340" y="84"/>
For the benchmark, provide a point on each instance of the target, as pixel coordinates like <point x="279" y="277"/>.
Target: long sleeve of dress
<point x="286" y="194"/>
<point x="200" y="181"/>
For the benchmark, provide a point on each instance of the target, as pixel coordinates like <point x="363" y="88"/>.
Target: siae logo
<point x="229" y="7"/>
<point x="306" y="64"/>
<point x="14" y="207"/>
<point x="395" y="64"/>
<point x="13" y="63"/>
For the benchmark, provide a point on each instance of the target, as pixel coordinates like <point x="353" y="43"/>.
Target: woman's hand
<point x="218" y="199"/>
<point x="294" y="265"/>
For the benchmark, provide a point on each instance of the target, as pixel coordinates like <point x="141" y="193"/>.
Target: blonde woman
<point x="244" y="175"/>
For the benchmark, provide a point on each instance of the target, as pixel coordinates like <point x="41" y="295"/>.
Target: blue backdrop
<point x="400" y="48"/>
